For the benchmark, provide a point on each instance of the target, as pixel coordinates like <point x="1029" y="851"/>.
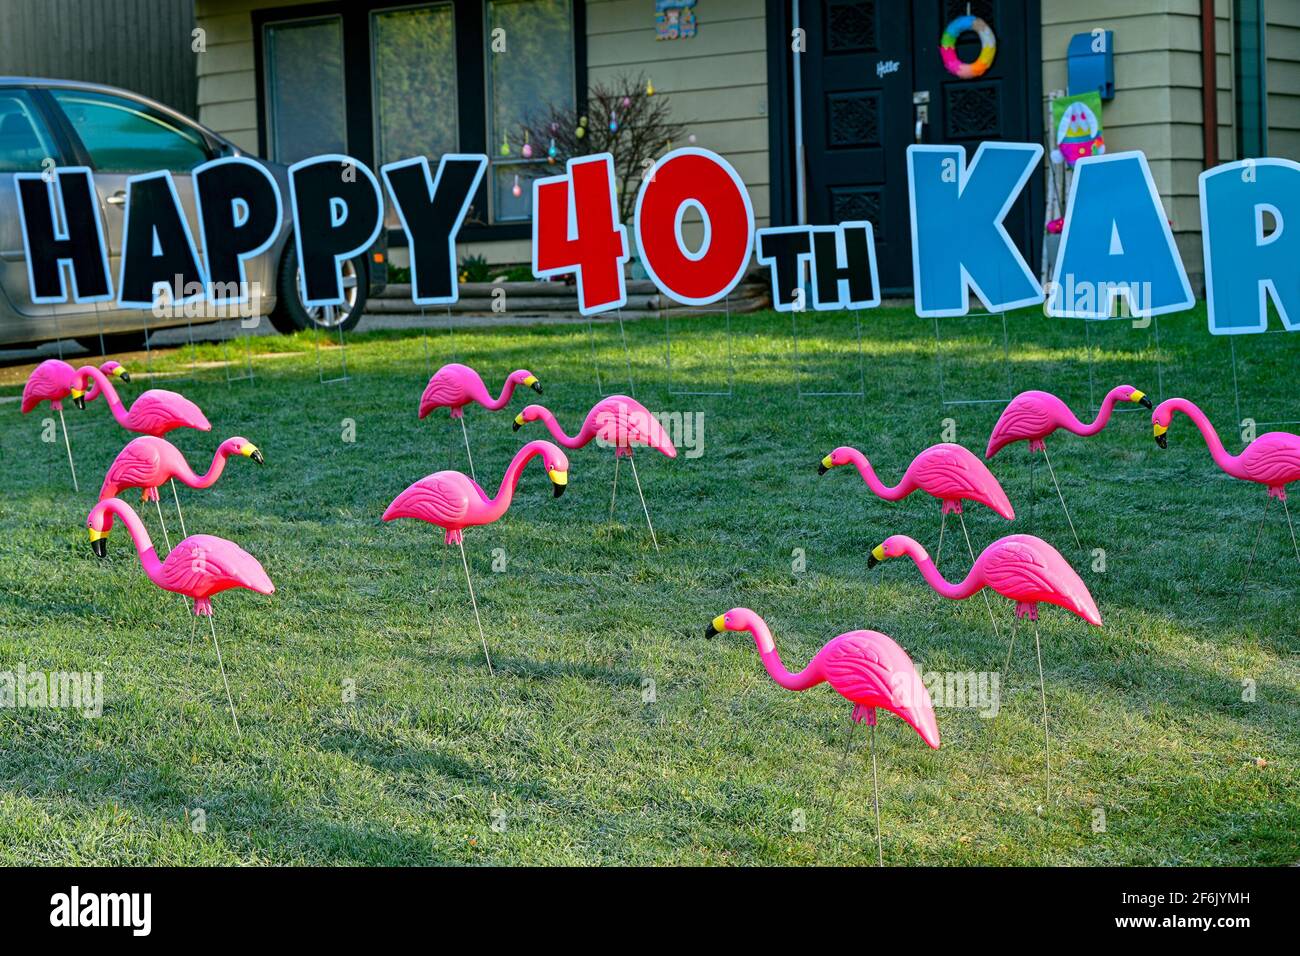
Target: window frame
<point x="265" y="104"/>
<point x="470" y="17"/>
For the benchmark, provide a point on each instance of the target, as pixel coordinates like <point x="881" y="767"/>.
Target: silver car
<point x="47" y="123"/>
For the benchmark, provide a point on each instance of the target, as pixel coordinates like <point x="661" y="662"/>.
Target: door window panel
<point x="413" y="56"/>
<point x="534" y="74"/>
<point x="24" y="142"/>
<point x="125" y="136"/>
<point x="304" y="89"/>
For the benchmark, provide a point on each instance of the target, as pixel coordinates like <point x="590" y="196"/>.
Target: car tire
<point x="290" y="315"/>
<point x="114" y="342"/>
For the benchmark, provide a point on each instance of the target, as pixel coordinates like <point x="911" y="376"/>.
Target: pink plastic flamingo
<point x="946" y="471"/>
<point x="147" y="462"/>
<point x="155" y="412"/>
<point x="866" y="668"/>
<point x="1021" y="567"/>
<point x="1272" y="459"/>
<point x="454" y="386"/>
<point x="53" y="381"/>
<point x="616" y="421"/>
<point x="1032" y="416"/>
<point x="198" y="567"/>
<point x="454" y="502"/>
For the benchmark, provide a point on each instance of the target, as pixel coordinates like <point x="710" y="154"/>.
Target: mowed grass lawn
<point x="613" y="732"/>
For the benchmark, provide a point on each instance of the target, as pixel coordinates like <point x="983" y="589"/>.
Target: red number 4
<point x="576" y="229"/>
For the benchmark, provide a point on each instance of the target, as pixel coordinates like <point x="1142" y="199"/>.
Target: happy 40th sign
<point x="1116" y="244"/>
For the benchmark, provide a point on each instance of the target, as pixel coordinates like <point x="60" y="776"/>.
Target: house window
<point x="386" y="80"/>
<point x="533" y="74"/>
<point x="305" y="104"/>
<point x="413" y="63"/>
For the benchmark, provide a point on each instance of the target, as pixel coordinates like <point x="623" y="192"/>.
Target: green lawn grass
<point x="613" y="732"/>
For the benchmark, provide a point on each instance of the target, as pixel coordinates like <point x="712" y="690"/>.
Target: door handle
<point x="117" y="199"/>
<point x="921" y="104"/>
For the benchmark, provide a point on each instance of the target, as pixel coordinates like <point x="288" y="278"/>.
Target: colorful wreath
<point x="948" y="47"/>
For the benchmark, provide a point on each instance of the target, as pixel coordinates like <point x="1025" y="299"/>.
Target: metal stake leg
<point x="473" y="600"/>
<point x="220" y="664"/>
<point x="468" y="454"/>
<point x="984" y="591"/>
<point x="655" y="540"/>
<point x="1062" y="497"/>
<point x="1047" y="740"/>
<point x="875" y="798"/>
<point x="71" y="467"/>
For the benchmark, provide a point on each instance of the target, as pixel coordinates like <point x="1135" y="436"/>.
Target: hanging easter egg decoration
<point x="691" y="139"/>
<point x="649" y="88"/>
<point x="627" y="101"/>
<point x="516" y="190"/>
<point x="528" y="147"/>
<point x="581" y="131"/>
<point x="505" y="146"/>
<point x="551" y="152"/>
<point x="613" y="122"/>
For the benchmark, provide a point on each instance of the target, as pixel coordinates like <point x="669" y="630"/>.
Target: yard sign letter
<point x="1243" y="265"/>
<point x="700" y="178"/>
<point x="73" y="236"/>
<point x="1116" y="242"/>
<point x="338" y="210"/>
<point x="576" y="229"/>
<point x="958" y="240"/>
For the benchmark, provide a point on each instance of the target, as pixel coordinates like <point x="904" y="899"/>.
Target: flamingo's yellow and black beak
<point x="79" y="398"/>
<point x="252" y="451"/>
<point x="716" y="626"/>
<point x="531" y="382"/>
<point x="877" y="555"/>
<point x="519" y="422"/>
<point x="1160" y="430"/>
<point x="825" y="465"/>
<point x="122" y="373"/>
<point x="99" y="543"/>
<point x="559" y="480"/>
<point x="1140" y="397"/>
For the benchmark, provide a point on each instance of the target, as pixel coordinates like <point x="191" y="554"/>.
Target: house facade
<point x="812" y="101"/>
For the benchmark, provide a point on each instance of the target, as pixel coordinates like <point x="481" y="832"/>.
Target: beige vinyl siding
<point x="716" y="80"/>
<point x="1282" y="48"/>
<point x="1157" y="104"/>
<point x="227" y="74"/>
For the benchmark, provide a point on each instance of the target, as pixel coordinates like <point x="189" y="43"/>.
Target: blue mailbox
<point x="1092" y="63"/>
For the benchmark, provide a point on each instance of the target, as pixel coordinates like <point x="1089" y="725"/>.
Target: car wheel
<point x="290" y="315"/>
<point x="114" y="342"/>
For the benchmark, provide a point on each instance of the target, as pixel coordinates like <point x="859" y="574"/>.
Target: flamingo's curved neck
<point x="1228" y="462"/>
<point x="501" y="400"/>
<point x="102" y="384"/>
<point x="140" y="536"/>
<point x="209" y="478"/>
<point x="882" y="490"/>
<point x="510" y="481"/>
<point x="557" y="432"/>
<point x="810" y="676"/>
<point x="962" y="589"/>
<point x="1103" y="416"/>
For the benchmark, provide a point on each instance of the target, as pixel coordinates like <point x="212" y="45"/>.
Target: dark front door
<point x="867" y="62"/>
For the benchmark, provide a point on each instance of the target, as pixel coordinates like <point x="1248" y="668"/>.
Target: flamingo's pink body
<point x="454" y="501"/>
<point x="1021" y="567"/>
<point x="866" y="668"/>
<point x="946" y="471"/>
<point x="155" y="412"/>
<point x="1272" y="459"/>
<point x="616" y="421"/>
<point x="53" y="380"/>
<point x="198" y="567"/>
<point x="148" y="462"/>
<point x="454" y="386"/>
<point x="1032" y="416"/>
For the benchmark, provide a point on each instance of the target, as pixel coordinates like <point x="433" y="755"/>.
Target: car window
<point x="123" y="136"/>
<point x="24" y="142"/>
